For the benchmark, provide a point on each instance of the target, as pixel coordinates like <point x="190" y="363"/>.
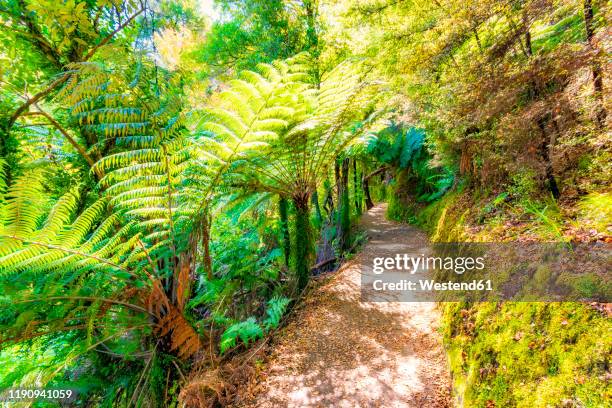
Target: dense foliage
<point x="172" y="174"/>
<point x="119" y="230"/>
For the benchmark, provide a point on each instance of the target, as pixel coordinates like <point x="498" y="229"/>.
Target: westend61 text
<point x="431" y="285"/>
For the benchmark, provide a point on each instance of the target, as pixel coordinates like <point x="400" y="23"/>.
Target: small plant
<point x="275" y="311"/>
<point x="548" y="217"/>
<point x="523" y="185"/>
<point x="246" y="331"/>
<point x="249" y="330"/>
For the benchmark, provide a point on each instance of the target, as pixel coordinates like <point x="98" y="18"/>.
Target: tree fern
<point x="127" y="261"/>
<point x="405" y="149"/>
<point x="141" y="175"/>
<point x="298" y="159"/>
<point x="316" y="135"/>
<point x="248" y="117"/>
<point x="122" y="238"/>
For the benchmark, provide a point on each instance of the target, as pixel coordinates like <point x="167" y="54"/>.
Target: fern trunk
<point x="206" y="247"/>
<point x="345" y="206"/>
<point x="303" y="240"/>
<point x="284" y="219"/>
<point x="338" y="209"/>
<point x="589" y="26"/>
<point x="366" y="192"/>
<point x="356" y="190"/>
<point x="317" y="207"/>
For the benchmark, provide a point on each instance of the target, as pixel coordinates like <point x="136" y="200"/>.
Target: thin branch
<point x="179" y="370"/>
<point x="65" y="133"/>
<point x="24" y="125"/>
<point x="151" y="263"/>
<point x="375" y="172"/>
<point x="142" y="374"/>
<point x="323" y="263"/>
<point x="36" y="98"/>
<point x="51" y="53"/>
<point x="111" y="35"/>
<point x="117" y="355"/>
<point x="66" y="75"/>
<point x="95" y="345"/>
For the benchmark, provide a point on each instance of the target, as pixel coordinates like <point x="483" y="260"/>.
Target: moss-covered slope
<point x="519" y="354"/>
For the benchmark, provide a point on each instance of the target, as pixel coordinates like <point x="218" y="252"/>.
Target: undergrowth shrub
<point x="523" y="184"/>
<point x="250" y="330"/>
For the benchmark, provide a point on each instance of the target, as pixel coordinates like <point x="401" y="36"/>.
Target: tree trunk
<point x="544" y="149"/>
<point x="328" y="200"/>
<point x="528" y="47"/>
<point x="366" y="191"/>
<point x="356" y="189"/>
<point x="303" y="240"/>
<point x="545" y="154"/>
<point x="338" y="182"/>
<point x="312" y="37"/>
<point x="317" y="207"/>
<point x="338" y="207"/>
<point x="527" y="27"/>
<point x="284" y="219"/>
<point x="596" y="68"/>
<point x="345" y="207"/>
<point x="206" y="247"/>
<point x="7" y="152"/>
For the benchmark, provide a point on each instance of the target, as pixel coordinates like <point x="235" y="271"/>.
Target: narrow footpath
<point x="341" y="352"/>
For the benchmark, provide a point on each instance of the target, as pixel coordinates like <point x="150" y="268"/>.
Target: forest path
<point x="340" y="352"/>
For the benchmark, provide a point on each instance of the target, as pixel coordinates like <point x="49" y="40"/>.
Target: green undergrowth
<point x="521" y="354"/>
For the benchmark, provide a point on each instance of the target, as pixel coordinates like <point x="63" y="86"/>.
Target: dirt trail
<point x="340" y="352"/>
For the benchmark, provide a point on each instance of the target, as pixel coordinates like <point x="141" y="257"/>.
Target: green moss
<point x="588" y="285"/>
<point x="596" y="211"/>
<point x="528" y="354"/>
<point x="522" y="354"/>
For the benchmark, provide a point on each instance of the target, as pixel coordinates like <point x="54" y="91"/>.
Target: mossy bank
<point x="520" y="354"/>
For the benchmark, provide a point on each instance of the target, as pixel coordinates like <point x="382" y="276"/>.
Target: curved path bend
<point x="340" y="352"/>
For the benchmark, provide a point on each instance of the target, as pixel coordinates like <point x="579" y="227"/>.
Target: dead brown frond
<point x="171" y="322"/>
<point x="183" y="338"/>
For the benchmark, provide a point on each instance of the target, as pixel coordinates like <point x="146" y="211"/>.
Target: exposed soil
<point x="341" y="352"/>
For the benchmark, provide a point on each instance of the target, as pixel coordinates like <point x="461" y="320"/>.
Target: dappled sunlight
<point x="253" y="203"/>
<point x="342" y="352"/>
